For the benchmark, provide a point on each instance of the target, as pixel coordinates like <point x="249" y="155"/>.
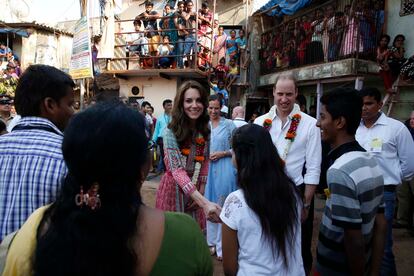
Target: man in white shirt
<point x="298" y="142"/>
<point x="390" y="142"/>
<point x="238" y="116"/>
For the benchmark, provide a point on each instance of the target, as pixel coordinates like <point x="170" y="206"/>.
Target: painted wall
<point x="396" y="24"/>
<point x="46" y="48"/>
<point x="154" y="90"/>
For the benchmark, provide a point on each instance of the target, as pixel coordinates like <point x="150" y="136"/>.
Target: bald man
<point x="238" y="116"/>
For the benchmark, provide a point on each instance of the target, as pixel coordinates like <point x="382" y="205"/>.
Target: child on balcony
<point x="137" y="42"/>
<point x="221" y="70"/>
<point x="164" y="50"/>
<point x="204" y="58"/>
<point x="233" y="73"/>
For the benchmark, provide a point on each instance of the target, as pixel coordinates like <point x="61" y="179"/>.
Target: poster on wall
<point x="407" y="7"/>
<point x="81" y="59"/>
<point x="46" y="50"/>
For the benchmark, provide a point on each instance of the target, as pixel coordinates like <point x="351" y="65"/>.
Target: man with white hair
<point x="238" y="116"/>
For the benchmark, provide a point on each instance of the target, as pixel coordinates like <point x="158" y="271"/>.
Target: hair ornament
<point x="90" y="199"/>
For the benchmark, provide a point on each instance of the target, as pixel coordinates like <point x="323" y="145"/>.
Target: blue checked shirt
<point x="32" y="170"/>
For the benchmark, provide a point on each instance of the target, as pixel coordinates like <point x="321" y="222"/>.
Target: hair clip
<point x="90" y="199"/>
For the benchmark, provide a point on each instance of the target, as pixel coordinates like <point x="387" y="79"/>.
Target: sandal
<point x="220" y="259"/>
<point x="212" y="250"/>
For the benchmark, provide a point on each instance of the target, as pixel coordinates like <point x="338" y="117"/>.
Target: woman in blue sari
<point x="221" y="180"/>
<point x="232" y="49"/>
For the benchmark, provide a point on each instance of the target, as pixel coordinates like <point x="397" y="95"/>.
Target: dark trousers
<point x="307" y="231"/>
<point x="161" y="165"/>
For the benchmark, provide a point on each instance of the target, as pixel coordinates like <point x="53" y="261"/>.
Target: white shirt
<point x="255" y="255"/>
<point x="306" y="148"/>
<point x="392" y="145"/>
<point x="239" y="122"/>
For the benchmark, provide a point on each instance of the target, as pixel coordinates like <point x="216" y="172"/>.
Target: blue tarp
<point x="288" y="7"/>
<point x="15" y="31"/>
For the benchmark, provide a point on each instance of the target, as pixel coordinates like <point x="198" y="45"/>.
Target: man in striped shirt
<point x="32" y="168"/>
<point x="353" y="228"/>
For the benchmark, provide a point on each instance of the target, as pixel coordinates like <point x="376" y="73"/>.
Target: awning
<point x="15" y="31"/>
<point x="281" y="7"/>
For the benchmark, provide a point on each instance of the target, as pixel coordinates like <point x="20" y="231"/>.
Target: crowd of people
<point x="70" y="185"/>
<point x="168" y="40"/>
<point x="9" y="69"/>
<point x="326" y="34"/>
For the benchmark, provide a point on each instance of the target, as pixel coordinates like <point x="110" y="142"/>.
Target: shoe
<point x="220" y="259"/>
<point x="212" y="250"/>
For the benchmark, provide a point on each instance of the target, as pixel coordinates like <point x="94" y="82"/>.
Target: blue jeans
<point x="180" y="51"/>
<point x="190" y="43"/>
<point x="388" y="267"/>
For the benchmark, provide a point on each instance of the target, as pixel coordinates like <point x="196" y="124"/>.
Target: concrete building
<point x="354" y="67"/>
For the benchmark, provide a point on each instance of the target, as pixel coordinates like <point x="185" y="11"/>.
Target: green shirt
<point x="184" y="249"/>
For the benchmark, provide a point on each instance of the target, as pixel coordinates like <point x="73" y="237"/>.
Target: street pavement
<point x="403" y="241"/>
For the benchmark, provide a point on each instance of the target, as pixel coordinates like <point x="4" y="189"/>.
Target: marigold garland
<point x="267" y="124"/>
<point x="199" y="156"/>
<point x="290" y="134"/>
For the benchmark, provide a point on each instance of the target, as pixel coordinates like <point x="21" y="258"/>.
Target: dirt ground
<point x="403" y="241"/>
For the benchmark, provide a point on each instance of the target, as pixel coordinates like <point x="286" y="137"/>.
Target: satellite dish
<point x="20" y="8"/>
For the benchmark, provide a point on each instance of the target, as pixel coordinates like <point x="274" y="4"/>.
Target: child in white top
<point x="261" y="221"/>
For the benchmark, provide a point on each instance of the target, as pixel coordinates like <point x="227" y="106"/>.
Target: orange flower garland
<point x="200" y="142"/>
<point x="291" y="133"/>
<point x="267" y="124"/>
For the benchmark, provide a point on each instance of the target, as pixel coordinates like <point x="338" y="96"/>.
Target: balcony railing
<point x="336" y="30"/>
<point x="187" y="48"/>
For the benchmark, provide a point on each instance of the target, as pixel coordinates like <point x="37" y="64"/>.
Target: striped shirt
<point x="356" y="187"/>
<point x="31" y="170"/>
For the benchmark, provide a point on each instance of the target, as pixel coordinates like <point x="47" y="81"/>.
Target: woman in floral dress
<point x="186" y="146"/>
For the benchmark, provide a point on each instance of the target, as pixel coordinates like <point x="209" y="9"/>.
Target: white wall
<point x="396" y="24"/>
<point x="154" y="90"/>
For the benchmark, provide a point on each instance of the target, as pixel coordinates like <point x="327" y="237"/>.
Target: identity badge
<point x="376" y="145"/>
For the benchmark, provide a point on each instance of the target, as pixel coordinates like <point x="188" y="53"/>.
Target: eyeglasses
<point x="5" y="102"/>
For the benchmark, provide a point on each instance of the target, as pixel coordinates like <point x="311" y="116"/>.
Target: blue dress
<point x="221" y="179"/>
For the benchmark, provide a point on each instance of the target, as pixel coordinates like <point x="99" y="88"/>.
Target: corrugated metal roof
<point x="34" y="25"/>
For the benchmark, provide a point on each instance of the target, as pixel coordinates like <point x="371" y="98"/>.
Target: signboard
<point x="81" y="60"/>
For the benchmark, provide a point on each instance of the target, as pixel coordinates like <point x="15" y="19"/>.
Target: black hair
<point x="346" y="103"/>
<point x="3" y="126"/>
<point x="215" y="97"/>
<point x="268" y="191"/>
<point x="145" y="103"/>
<point x="397" y="37"/>
<point x="204" y="5"/>
<point x="37" y="83"/>
<point x="382" y="36"/>
<point x="149" y="3"/>
<point x="152" y="108"/>
<point x="371" y="92"/>
<point x="137" y="22"/>
<point x="74" y="240"/>
<point x="165" y="102"/>
<point x="180" y="3"/>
